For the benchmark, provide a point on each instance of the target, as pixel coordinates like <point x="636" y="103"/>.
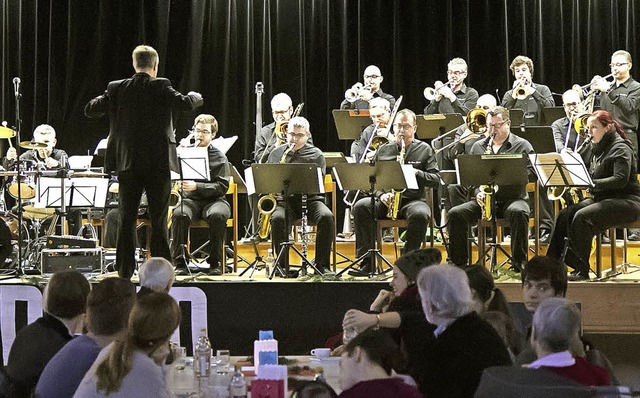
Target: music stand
<point x="551" y="114"/>
<point x="492" y="170"/>
<point x="564" y="169"/>
<point x="333" y="158"/>
<point x="432" y="126"/>
<point x="288" y="179"/>
<point x="369" y="177"/>
<point x="540" y="137"/>
<point x="350" y="122"/>
<point x="516" y="115"/>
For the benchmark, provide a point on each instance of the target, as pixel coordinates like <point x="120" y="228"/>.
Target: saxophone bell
<point x="266" y="206"/>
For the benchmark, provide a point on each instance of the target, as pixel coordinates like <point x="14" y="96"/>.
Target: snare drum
<point x="27" y="184"/>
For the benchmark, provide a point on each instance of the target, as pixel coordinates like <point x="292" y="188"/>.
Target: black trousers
<point x="318" y="214"/>
<point x="582" y="221"/>
<point x="416" y="212"/>
<point x="467" y="214"/>
<point x="158" y="187"/>
<point x="216" y="213"/>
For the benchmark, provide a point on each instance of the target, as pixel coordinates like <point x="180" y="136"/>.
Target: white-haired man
<point x="156" y="274"/>
<point x="454" y="97"/>
<point x="372" y="79"/>
<point x="299" y="150"/>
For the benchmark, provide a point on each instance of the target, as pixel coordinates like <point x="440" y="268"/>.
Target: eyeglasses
<point x="284" y="112"/>
<point x="571" y="105"/>
<point x="371" y="76"/>
<point x="296" y="136"/>
<point x="456" y="72"/>
<point x="497" y="125"/>
<point x="618" y="64"/>
<point x="203" y="132"/>
<point x="377" y="115"/>
<point x="405" y="127"/>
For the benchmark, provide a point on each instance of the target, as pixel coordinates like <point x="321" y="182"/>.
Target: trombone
<point x="430" y="93"/>
<point x="476" y="123"/>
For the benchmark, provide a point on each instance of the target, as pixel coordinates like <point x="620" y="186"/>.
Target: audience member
<point x="133" y="367"/>
<point x="157" y="275"/>
<point x="367" y="368"/>
<point x="108" y="308"/>
<point x="403" y="317"/>
<point x="492" y="305"/>
<point x="65" y="300"/>
<point x="543" y="277"/>
<point x="464" y="344"/>
<point x="314" y="389"/>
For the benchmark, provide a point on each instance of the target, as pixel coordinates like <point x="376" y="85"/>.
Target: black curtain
<point x="65" y="52"/>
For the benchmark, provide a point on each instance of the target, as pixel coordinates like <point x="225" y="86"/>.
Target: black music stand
<point x="350" y="122"/>
<point x="333" y="158"/>
<point x="561" y="170"/>
<point x="432" y="126"/>
<point x="288" y="179"/>
<point x="492" y="170"/>
<point x="516" y="115"/>
<point x="540" y="137"/>
<point x="551" y="114"/>
<point x="369" y="177"/>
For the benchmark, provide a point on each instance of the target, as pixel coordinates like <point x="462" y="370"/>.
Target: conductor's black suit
<point x="141" y="150"/>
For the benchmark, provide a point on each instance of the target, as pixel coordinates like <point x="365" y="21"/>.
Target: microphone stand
<point x="18" y="123"/>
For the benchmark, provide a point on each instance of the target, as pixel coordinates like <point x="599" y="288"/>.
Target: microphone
<point x="16" y="86"/>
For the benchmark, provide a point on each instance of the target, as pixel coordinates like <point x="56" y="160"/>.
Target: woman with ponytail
<point x="133" y="367"/>
<point x="615" y="195"/>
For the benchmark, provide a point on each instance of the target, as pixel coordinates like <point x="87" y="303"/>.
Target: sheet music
<point x="87" y="192"/>
<point x="410" y="176"/>
<point x="575" y="170"/>
<point x="224" y="143"/>
<point x="248" y="179"/>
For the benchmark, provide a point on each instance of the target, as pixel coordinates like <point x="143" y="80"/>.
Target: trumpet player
<point x="266" y="140"/>
<point x="413" y="205"/>
<point x="511" y="201"/>
<point x="372" y="79"/>
<point x="203" y="200"/>
<point x="526" y="95"/>
<point x="622" y="97"/>
<point x="379" y="112"/>
<point x="454" y="97"/>
<point x="298" y="149"/>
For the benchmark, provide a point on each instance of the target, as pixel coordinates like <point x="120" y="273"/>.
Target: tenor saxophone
<point x="394" y="206"/>
<point x="487" y="211"/>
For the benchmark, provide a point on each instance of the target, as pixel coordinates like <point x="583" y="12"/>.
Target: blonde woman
<point x="133" y="367"/>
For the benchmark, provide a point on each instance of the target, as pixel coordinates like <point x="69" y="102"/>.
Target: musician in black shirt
<point x="455" y="97"/>
<point x="373" y="79"/>
<point x="536" y="95"/>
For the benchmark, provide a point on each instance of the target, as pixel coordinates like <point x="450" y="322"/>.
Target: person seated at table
<point x="132" y="367"/>
<point x="205" y="200"/>
<point x="64" y="302"/>
<point x="108" y="307"/>
<point x="399" y="311"/>
<point x="367" y="368"/>
<point x="615" y="200"/>
<point x="463" y="344"/>
<point x="299" y="150"/>
<point x="314" y="389"/>
<point x="156" y="275"/>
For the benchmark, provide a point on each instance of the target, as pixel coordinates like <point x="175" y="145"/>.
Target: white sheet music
<point x="248" y="179"/>
<point x="549" y="175"/>
<point x="224" y="143"/>
<point x="87" y="192"/>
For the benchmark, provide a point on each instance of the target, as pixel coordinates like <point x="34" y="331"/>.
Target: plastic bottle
<point x="202" y="356"/>
<point x="238" y="386"/>
<point x="269" y="260"/>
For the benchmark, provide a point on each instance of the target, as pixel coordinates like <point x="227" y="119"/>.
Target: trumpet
<point x="585" y="90"/>
<point x="266" y="207"/>
<point x="519" y="88"/>
<point x="430" y="93"/>
<point x="356" y="92"/>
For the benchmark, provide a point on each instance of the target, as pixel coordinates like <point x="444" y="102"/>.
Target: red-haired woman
<point x="616" y="195"/>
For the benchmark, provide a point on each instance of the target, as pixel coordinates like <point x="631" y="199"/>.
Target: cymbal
<point x="88" y="173"/>
<point x="32" y="145"/>
<point x="6" y="132"/>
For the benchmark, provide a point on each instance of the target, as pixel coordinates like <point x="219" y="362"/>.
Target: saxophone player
<point x="413" y="205"/>
<point x="205" y="200"/>
<point x="511" y="201"/>
<point x="298" y="149"/>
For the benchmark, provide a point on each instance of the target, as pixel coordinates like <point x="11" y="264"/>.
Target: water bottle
<point x="269" y="260"/>
<point x="202" y="356"/>
<point x="238" y="386"/>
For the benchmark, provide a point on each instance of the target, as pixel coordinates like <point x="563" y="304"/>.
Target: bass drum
<point x="9" y="228"/>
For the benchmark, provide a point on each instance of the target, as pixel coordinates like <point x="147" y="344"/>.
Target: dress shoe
<point x="577" y="276"/>
<point x="215" y="271"/>
<point x="545" y="236"/>
<point x="364" y="270"/>
<point x="634" y="237"/>
<point x="324" y="270"/>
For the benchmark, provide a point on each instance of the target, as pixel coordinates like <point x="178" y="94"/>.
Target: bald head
<point x="486" y="102"/>
<point x="372" y="77"/>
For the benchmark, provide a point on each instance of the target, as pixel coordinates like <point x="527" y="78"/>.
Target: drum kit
<point x="20" y="227"/>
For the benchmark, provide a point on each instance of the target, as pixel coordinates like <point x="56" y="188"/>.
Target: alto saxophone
<point x="488" y="190"/>
<point x="394" y="206"/>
